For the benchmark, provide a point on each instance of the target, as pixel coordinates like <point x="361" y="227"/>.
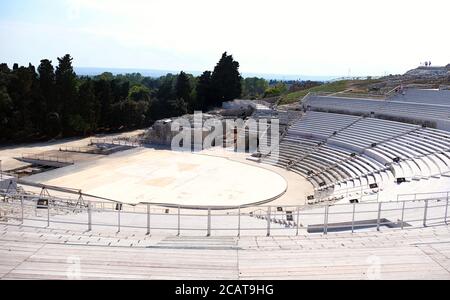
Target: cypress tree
<point x="226" y="80"/>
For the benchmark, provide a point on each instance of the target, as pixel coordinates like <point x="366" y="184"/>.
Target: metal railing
<point x="84" y="150"/>
<point x="347" y="94"/>
<point x="393" y="92"/>
<point x="423" y="196"/>
<point x="47" y="158"/>
<point x="362" y="193"/>
<point x="259" y="220"/>
<point x="115" y="142"/>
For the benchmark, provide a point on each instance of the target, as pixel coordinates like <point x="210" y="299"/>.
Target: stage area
<point x="160" y="176"/>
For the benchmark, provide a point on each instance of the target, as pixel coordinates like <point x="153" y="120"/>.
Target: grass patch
<point x="332" y="87"/>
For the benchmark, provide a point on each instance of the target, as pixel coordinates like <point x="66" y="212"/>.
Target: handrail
<point x="66" y="190"/>
<point x="98" y="199"/>
<point x="26" y="208"/>
<point x="117" y="142"/>
<point x="393" y="91"/>
<point x="50" y="158"/>
<point x="430" y="195"/>
<point x="307" y="96"/>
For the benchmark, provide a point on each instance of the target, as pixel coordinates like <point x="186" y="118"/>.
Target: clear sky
<point x="326" y="37"/>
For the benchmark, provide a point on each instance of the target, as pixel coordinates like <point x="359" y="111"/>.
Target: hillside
<point x="336" y="86"/>
<point x="422" y="77"/>
<point x="350" y="86"/>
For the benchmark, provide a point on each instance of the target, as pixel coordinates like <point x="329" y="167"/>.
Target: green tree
<point x="78" y="124"/>
<point x="104" y="95"/>
<point x="134" y="112"/>
<point x="6" y="107"/>
<point x="183" y="88"/>
<point x="139" y="93"/>
<point x="226" y="80"/>
<point x="89" y="110"/>
<point x="119" y="89"/>
<point x="21" y="89"/>
<point x="179" y="107"/>
<point x="166" y="93"/>
<point x="66" y="87"/>
<point x="204" y="91"/>
<point x="254" y="87"/>
<point x="39" y="111"/>
<point x="48" y="92"/>
<point x="166" y="89"/>
<point x="276" y="90"/>
<point x="108" y="76"/>
<point x="47" y="83"/>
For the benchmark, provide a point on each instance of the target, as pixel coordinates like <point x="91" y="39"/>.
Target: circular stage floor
<point x="161" y="176"/>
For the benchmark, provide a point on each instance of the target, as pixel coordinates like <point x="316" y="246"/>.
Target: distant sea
<point x="159" y="73"/>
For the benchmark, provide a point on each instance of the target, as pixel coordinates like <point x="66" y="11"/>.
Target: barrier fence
<point x="423" y="196"/>
<point x="260" y="220"/>
<point x="47" y="158"/>
<point x="116" y="142"/>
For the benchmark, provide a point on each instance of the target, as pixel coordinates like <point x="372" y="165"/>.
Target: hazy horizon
<point x="92" y="71"/>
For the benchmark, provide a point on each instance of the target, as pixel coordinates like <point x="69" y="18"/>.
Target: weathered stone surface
<point x="429" y="71"/>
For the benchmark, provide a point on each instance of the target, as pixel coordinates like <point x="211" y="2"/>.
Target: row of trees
<point x="51" y="101"/>
<point x="55" y="102"/>
<point x="280" y="87"/>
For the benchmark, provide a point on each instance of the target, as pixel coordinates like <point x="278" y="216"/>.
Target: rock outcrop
<point x="430" y="72"/>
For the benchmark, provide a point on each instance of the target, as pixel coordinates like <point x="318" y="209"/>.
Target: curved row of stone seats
<point x="369" y="131"/>
<point x="358" y="169"/>
<point x="344" y="104"/>
<point x="431" y="111"/>
<point x="439" y="141"/>
<point x="424" y="153"/>
<point x="417" y="111"/>
<point x="289" y="116"/>
<point x="291" y="148"/>
<point x="441" y="97"/>
<point x="322" y="125"/>
<point x="357" y="151"/>
<point x="330" y="165"/>
<point x="406" y="168"/>
<point x="426" y="165"/>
